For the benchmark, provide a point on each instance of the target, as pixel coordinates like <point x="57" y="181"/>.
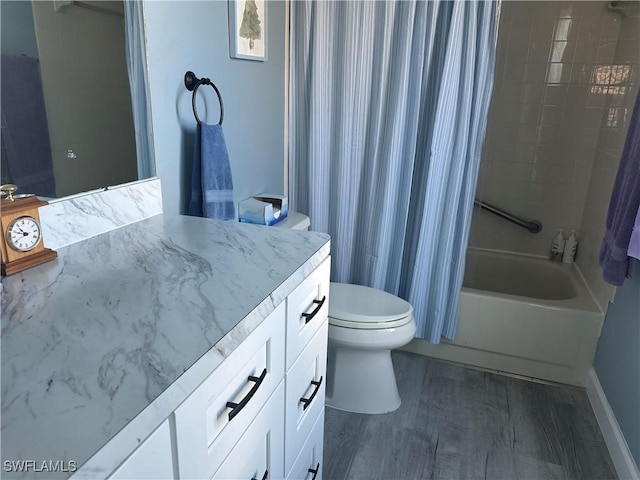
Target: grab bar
<point x="534" y="226"/>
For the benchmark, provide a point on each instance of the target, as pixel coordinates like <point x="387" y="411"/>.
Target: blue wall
<point x="617" y="361"/>
<point x="17" y="28"/>
<point x="193" y="35"/>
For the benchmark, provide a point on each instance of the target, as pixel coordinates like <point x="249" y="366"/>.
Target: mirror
<point x="67" y="122"/>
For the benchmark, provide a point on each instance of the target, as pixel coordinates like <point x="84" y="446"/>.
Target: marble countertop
<point x="106" y="341"/>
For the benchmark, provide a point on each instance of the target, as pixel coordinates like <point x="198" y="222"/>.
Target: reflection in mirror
<point x="67" y="123"/>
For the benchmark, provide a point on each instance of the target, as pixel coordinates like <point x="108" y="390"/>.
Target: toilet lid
<point x="356" y="306"/>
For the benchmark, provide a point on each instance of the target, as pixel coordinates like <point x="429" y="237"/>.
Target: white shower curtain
<point x="388" y="106"/>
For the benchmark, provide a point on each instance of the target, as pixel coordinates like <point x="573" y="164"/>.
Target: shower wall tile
<point x="596" y="206"/>
<point x="555" y="95"/>
<point x="531" y="93"/>
<point x="614" y="125"/>
<point x="605" y="51"/>
<point x="557" y="85"/>
<point x="551" y="115"/>
<point x="592" y="117"/>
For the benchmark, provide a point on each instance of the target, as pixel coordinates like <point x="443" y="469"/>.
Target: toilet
<point x="365" y="324"/>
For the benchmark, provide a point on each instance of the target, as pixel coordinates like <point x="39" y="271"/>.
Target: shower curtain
<point x="388" y="106"/>
<point x="137" y="69"/>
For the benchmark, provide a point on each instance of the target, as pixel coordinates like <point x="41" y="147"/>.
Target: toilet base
<point x="361" y="381"/>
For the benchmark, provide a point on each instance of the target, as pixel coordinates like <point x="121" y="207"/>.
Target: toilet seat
<point x="360" y="307"/>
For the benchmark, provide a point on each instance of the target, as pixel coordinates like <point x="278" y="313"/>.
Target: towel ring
<point x="192" y="83"/>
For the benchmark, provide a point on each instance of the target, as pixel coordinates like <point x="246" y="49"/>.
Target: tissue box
<point x="263" y="209"/>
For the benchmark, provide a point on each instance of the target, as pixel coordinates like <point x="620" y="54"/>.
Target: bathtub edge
<point x="495" y="362"/>
<point x="588" y="288"/>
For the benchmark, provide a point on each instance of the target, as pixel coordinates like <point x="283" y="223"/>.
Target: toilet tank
<point x="294" y="221"/>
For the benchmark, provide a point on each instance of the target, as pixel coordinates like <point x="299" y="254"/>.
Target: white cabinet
<point x="153" y="459"/>
<point x="259" y="414"/>
<point x="308" y="465"/>
<point x="307" y="310"/>
<point x="306" y="382"/>
<point x="212" y="420"/>
<point x="306" y="363"/>
<point x="259" y="452"/>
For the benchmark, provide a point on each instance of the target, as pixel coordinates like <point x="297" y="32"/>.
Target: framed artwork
<point x="248" y="29"/>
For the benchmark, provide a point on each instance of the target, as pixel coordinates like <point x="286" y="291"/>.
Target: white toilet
<point x="364" y="325"/>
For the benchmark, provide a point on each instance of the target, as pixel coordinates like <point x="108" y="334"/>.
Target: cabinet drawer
<point x="206" y="429"/>
<point x="153" y="459"/>
<point x="260" y="450"/>
<point x="308" y="465"/>
<point x="305" y="388"/>
<point x="307" y="308"/>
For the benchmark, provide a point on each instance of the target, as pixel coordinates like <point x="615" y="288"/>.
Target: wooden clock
<point x="21" y="246"/>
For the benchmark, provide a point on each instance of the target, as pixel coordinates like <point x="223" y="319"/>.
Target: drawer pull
<point x="307" y="401"/>
<point x="314" y="471"/>
<point x="265" y="476"/>
<point x="309" y="316"/>
<point x="239" y="406"/>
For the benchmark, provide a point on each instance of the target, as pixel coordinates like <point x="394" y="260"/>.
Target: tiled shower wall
<point x="615" y="123"/>
<point x="556" y="74"/>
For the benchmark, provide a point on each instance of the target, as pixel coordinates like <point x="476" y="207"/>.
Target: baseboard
<point x="623" y="462"/>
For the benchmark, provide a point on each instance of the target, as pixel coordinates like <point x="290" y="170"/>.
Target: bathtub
<point x="522" y="315"/>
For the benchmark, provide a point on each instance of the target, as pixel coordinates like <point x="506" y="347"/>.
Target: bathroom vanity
<point x="173" y="347"/>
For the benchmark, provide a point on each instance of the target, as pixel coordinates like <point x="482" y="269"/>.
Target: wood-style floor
<point x="460" y="423"/>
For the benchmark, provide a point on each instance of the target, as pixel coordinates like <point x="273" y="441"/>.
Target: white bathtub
<point x="523" y="315"/>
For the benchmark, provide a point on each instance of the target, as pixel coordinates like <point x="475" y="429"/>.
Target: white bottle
<point x="557" y="247"/>
<point x="570" y="248"/>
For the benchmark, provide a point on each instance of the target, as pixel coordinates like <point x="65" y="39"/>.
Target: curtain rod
<point x="60" y="4"/>
<point x="95" y="8"/>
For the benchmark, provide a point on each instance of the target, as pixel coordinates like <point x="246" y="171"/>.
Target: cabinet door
<point x="206" y="427"/>
<point x="153" y="459"/>
<point x="305" y="394"/>
<point x="259" y="453"/>
<point x="308" y="465"/>
<point x="307" y="309"/>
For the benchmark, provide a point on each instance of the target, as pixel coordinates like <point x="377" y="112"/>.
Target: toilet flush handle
<point x="309" y="316"/>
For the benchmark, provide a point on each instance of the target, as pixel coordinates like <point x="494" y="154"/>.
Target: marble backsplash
<point x="78" y="217"/>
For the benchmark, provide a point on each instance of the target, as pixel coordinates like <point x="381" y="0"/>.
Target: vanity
<point x="170" y="347"/>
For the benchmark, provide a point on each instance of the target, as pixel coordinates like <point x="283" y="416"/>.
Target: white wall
<point x="193" y="35"/>
<point x="545" y="118"/>
<point x="607" y="157"/>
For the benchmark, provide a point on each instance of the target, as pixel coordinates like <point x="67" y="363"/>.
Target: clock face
<point x="24" y="234"/>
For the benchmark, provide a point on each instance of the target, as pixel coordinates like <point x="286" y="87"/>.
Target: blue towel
<point x="26" y="150"/>
<point x="211" y="182"/>
<point x="623" y="207"/>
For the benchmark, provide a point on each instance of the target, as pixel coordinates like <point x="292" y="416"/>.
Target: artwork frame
<point x="246" y="18"/>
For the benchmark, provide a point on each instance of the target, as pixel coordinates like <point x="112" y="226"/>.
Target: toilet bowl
<point x="365" y="324"/>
